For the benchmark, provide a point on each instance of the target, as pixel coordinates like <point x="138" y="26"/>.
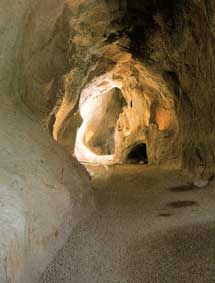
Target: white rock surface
<point x="42" y="196"/>
<point x="42" y="190"/>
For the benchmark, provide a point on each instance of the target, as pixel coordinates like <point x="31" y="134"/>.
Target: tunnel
<point x="138" y="154"/>
<point x="100" y="110"/>
<point x="91" y="91"/>
<point x="102" y="140"/>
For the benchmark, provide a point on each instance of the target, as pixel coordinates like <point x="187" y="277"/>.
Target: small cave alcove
<point x="138" y="154"/>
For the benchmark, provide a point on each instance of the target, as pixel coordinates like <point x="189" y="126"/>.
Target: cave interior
<point x="107" y="131"/>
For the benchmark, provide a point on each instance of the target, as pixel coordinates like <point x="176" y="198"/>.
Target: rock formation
<point x="160" y="53"/>
<point x="148" y="65"/>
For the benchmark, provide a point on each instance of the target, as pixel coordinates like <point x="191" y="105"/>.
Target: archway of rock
<point x="138" y="154"/>
<point x="121" y="108"/>
<point x="95" y="142"/>
<point x="102" y="129"/>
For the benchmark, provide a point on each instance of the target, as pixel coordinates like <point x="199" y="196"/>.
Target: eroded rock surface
<point x="160" y="54"/>
<point x="44" y="195"/>
<point x="44" y="192"/>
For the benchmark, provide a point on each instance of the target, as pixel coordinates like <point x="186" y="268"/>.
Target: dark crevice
<point x="138" y="154"/>
<point x="51" y="123"/>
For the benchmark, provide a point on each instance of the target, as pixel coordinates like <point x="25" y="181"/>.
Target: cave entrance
<point x="138" y="154"/>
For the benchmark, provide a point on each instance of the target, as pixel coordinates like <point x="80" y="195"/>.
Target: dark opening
<point x="138" y="154"/>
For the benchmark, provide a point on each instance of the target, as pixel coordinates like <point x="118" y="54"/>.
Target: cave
<point x="138" y="154"/>
<point x="95" y="141"/>
<point x="107" y="141"/>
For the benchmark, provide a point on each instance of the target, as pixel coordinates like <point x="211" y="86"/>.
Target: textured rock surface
<point x="67" y="44"/>
<point x="43" y="192"/>
<point x="179" y="43"/>
<point x="159" y="53"/>
<point x="147" y="113"/>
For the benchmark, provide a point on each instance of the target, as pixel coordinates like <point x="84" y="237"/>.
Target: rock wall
<point x="67" y="44"/>
<point x="159" y="53"/>
<point x="44" y="193"/>
<point x="174" y="41"/>
<point x="11" y="31"/>
<point x="85" y="39"/>
<point x="177" y="40"/>
<point x="147" y="114"/>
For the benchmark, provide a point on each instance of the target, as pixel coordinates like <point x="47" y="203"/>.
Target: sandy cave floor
<point x="149" y="226"/>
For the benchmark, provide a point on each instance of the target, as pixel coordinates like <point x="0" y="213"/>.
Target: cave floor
<point x="148" y="226"/>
